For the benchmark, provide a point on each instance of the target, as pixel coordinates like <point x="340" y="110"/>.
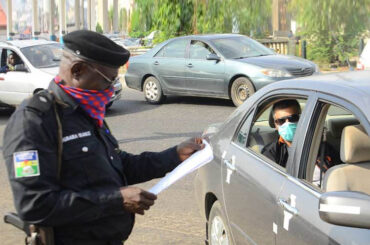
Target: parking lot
<point x="139" y="126"/>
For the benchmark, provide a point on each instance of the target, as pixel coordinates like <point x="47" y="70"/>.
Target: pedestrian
<point x="65" y="167"/>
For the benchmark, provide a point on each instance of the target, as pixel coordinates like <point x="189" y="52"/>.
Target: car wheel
<point x="241" y="89"/>
<point x="153" y="90"/>
<point x="218" y="233"/>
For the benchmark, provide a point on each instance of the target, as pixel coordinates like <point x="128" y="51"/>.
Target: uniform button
<point x="85" y="149"/>
<point x="111" y="158"/>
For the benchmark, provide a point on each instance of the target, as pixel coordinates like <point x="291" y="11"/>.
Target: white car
<point x="364" y="61"/>
<point x="36" y="64"/>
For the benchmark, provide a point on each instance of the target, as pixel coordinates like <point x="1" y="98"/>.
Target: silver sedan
<point x="248" y="198"/>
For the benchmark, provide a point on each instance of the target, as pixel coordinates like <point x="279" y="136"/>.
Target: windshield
<point x="43" y="56"/>
<point x="240" y="47"/>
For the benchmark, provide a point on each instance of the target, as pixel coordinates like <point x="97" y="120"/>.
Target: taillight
<point x="127" y="64"/>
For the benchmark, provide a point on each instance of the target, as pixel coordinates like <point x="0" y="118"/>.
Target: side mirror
<point x="213" y="57"/>
<point x="347" y="208"/>
<point x="20" y="67"/>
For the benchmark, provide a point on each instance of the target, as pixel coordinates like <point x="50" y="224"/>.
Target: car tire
<point x="241" y="89"/>
<point x="153" y="91"/>
<point x="218" y="231"/>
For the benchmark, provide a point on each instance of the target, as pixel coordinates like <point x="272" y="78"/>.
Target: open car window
<point x="258" y="131"/>
<point x="339" y="158"/>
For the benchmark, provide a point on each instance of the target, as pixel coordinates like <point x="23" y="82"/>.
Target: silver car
<point x="229" y="66"/>
<point x="246" y="198"/>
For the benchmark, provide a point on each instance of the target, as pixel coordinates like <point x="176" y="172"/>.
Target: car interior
<point x="4" y="56"/>
<point x="346" y="139"/>
<point x="349" y="140"/>
<point x="354" y="173"/>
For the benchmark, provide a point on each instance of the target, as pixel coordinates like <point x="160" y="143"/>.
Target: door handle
<point x="190" y="65"/>
<point x="156" y="63"/>
<point x="287" y="206"/>
<point x="229" y="165"/>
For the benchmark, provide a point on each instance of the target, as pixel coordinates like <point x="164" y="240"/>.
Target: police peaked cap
<point x="95" y="47"/>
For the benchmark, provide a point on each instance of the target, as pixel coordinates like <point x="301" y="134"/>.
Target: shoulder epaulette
<point x="41" y="101"/>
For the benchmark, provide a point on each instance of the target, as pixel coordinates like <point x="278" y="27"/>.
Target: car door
<point x="298" y="217"/>
<point x="252" y="182"/>
<point x="14" y="85"/>
<point x="204" y="76"/>
<point x="169" y="65"/>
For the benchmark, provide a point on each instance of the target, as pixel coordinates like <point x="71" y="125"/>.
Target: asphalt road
<point x="139" y="126"/>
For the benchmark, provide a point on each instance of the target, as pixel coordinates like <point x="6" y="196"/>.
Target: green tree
<point x="252" y="17"/>
<point x="123" y="20"/>
<point x="183" y="17"/>
<point x="98" y="28"/>
<point x="173" y="18"/>
<point x="332" y="28"/>
<point x="110" y="17"/>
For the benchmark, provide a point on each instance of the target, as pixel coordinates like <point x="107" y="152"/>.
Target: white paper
<point x="195" y="161"/>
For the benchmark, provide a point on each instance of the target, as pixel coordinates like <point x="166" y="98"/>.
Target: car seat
<point x="335" y="127"/>
<point x="354" y="174"/>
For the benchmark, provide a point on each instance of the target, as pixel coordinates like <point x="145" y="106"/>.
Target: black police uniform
<point x="85" y="204"/>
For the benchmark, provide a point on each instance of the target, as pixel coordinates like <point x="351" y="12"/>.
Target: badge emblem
<point x="26" y="164"/>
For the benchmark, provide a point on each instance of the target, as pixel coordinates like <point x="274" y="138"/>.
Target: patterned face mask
<point x="287" y="131"/>
<point x="91" y="101"/>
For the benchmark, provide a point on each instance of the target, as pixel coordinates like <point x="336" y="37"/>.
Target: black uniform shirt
<point x="86" y="202"/>
<point x="277" y="151"/>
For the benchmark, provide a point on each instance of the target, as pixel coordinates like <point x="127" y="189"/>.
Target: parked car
<point x="246" y="198"/>
<point x="226" y="66"/>
<point x="37" y="63"/>
<point x="364" y="60"/>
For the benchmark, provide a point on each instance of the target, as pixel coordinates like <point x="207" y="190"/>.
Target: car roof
<point x="352" y="86"/>
<point x="212" y="36"/>
<point x="25" y="43"/>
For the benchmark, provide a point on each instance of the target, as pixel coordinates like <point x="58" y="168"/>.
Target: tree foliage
<point x="98" y="28"/>
<point x="333" y="28"/>
<point x="183" y="17"/>
<point x="123" y="20"/>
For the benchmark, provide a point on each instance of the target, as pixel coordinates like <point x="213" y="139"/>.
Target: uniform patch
<point x="26" y="164"/>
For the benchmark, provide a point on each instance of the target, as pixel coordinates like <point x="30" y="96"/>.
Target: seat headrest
<point x="354" y="145"/>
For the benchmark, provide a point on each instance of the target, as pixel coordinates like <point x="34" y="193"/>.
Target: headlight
<point x="275" y="73"/>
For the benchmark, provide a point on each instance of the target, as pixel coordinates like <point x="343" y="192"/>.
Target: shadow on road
<point x="198" y="101"/>
<point x="125" y="107"/>
<point x="160" y="136"/>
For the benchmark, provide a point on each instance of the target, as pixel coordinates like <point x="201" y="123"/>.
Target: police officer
<point x="65" y="168"/>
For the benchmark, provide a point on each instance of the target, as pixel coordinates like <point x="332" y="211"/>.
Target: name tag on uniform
<point x="26" y="164"/>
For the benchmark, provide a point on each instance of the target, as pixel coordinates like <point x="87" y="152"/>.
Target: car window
<point x="240" y="47"/>
<point x="325" y="150"/>
<point x="199" y="50"/>
<point x="43" y="56"/>
<point x="262" y="136"/>
<point x="174" y="49"/>
<point x="8" y="54"/>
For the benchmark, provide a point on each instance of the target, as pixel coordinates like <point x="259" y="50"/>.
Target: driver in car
<point x="10" y="64"/>
<point x="286" y="114"/>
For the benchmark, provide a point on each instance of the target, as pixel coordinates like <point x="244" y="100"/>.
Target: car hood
<point x="51" y="70"/>
<point x="278" y="61"/>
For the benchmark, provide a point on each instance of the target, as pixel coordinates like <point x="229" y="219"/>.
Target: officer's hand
<point x="188" y="147"/>
<point x="136" y="200"/>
